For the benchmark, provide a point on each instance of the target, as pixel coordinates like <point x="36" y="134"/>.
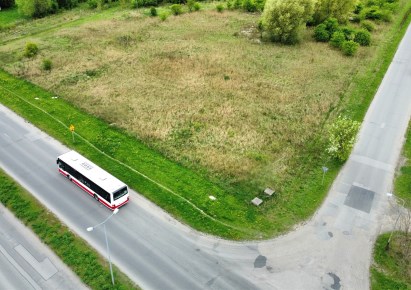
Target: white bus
<point x="104" y="187"/>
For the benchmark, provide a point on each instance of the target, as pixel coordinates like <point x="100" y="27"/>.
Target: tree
<point x="6" y="3"/>
<point x="284" y="19"/>
<point x="342" y="135"/>
<point x="339" y="9"/>
<point x="34" y="8"/>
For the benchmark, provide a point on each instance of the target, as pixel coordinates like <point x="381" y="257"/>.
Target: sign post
<point x="325" y="169"/>
<point x="72" y="131"/>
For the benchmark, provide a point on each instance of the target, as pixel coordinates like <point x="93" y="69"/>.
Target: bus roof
<point x="90" y="170"/>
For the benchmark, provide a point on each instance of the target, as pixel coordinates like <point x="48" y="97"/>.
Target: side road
<point x="26" y="263"/>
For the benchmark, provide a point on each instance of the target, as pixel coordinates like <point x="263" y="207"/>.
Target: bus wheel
<point x="95" y="197"/>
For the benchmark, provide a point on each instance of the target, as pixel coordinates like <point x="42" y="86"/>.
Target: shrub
<point x="348" y="32"/>
<point x="386" y="15"/>
<point x="337" y="39"/>
<point x="220" y="8"/>
<point x="363" y="37"/>
<point x="176" y="9"/>
<point x="284" y="19"/>
<point x="153" y="11"/>
<point x="342" y="136"/>
<point x="163" y="16"/>
<point x="197" y="6"/>
<point x="339" y="9"/>
<point x="372" y="12"/>
<point x="47" y="64"/>
<point x="34" y="8"/>
<point x="190" y="5"/>
<point x="68" y="4"/>
<point x="321" y="34"/>
<point x="93" y="4"/>
<point x="249" y="5"/>
<point x="31" y="49"/>
<point x="331" y="25"/>
<point x="260" y="4"/>
<point x="349" y="47"/>
<point x="6" y="3"/>
<point x="368" y="25"/>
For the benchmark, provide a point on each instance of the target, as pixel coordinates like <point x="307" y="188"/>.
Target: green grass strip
<point x="92" y="269"/>
<point x="390" y="270"/>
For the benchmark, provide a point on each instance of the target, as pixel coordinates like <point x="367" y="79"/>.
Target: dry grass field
<point x="204" y="91"/>
<point x="199" y="87"/>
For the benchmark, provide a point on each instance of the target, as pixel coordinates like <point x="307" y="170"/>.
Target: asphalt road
<point x="26" y="263"/>
<point x="330" y="251"/>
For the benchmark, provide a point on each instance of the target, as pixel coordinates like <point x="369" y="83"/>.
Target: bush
<point x="176" y="9"/>
<point x="67" y="4"/>
<point x="47" y="64"/>
<point x="35" y="8"/>
<point x="321" y="34"/>
<point x="337" y="39"/>
<point x="342" y="135"/>
<point x="363" y="37"/>
<point x="6" y="3"/>
<point x="92" y="4"/>
<point x="249" y="5"/>
<point x="284" y="19"/>
<point x="368" y="25"/>
<point x="153" y="11"/>
<point x="197" y="6"/>
<point x="349" y="47"/>
<point x="31" y="49"/>
<point x="339" y="9"/>
<point x="220" y="8"/>
<point x="373" y="13"/>
<point x="348" y="32"/>
<point x="331" y="25"/>
<point x="163" y="16"/>
<point x="190" y="5"/>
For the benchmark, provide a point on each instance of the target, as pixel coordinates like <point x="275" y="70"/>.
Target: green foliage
<point x="163" y="16"/>
<point x="349" y="47"/>
<point x="339" y="9"/>
<point x="176" y="9"/>
<point x="220" y="7"/>
<point x="197" y="6"/>
<point x="93" y="4"/>
<point x="4" y="4"/>
<point x="143" y="3"/>
<point x="331" y="25"/>
<point x="368" y="25"/>
<point x="362" y="37"/>
<point x="153" y="11"/>
<point x="337" y="39"/>
<point x="348" y="32"/>
<point x="250" y="5"/>
<point x="321" y="34"/>
<point x="31" y="49"/>
<point x="67" y="4"/>
<point x="284" y="19"/>
<point x="372" y="12"/>
<point x="342" y="135"/>
<point x="46" y="64"/>
<point x="35" y="8"/>
<point x="190" y="5"/>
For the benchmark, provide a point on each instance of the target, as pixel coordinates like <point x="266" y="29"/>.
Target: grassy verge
<point x="402" y="183"/>
<point x="391" y="269"/>
<point x="92" y="269"/>
<point x="9" y="18"/>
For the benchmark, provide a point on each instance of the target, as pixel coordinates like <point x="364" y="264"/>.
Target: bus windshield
<point x="120" y="193"/>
